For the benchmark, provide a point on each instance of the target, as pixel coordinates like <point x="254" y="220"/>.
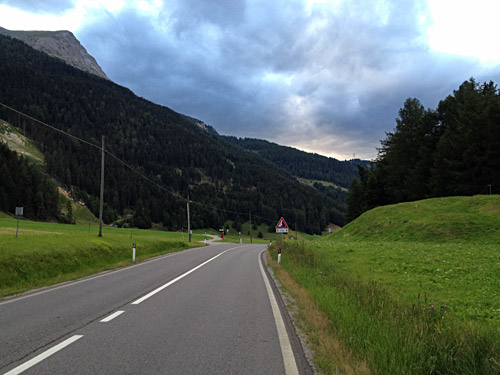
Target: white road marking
<point x="157" y="290"/>
<point x="286" y="347"/>
<point x="44" y="355"/>
<point x="112" y="316"/>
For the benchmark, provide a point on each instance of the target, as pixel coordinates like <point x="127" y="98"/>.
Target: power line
<point x="50" y="127"/>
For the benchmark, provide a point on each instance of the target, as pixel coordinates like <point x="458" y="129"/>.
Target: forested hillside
<point x="169" y="148"/>
<point x="452" y="150"/>
<point x="328" y="175"/>
<point x="24" y="184"/>
<point x="303" y="164"/>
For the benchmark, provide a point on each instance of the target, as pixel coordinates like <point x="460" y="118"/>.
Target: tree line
<point x="451" y="150"/>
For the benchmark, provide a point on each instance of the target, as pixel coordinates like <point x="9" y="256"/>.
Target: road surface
<point x="208" y="310"/>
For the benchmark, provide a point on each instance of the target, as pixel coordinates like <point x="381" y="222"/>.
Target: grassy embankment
<point x="45" y="253"/>
<point x="406" y="289"/>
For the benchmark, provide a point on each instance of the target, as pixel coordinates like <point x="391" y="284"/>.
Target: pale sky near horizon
<point x="325" y="76"/>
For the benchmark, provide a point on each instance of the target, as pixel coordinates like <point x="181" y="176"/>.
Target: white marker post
<point x="133" y="252"/>
<point x="240" y="238"/>
<point x="279" y="255"/>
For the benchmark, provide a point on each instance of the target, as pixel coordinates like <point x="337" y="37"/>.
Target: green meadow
<point x="411" y="288"/>
<point x="47" y="253"/>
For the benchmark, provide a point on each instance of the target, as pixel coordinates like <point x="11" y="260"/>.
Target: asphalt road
<point x="202" y="311"/>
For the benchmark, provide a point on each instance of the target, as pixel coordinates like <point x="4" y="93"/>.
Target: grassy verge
<point x="329" y="355"/>
<point x="408" y="293"/>
<point x="391" y="335"/>
<point x="45" y="253"/>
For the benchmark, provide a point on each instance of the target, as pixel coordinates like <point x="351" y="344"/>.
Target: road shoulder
<point x="287" y="306"/>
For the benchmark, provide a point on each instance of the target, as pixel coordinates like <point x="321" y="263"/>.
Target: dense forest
<point x="25" y="185"/>
<point x="167" y="147"/>
<point x="452" y="150"/>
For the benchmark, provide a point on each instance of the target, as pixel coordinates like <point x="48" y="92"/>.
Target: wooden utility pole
<point x="101" y="203"/>
<point x="189" y="221"/>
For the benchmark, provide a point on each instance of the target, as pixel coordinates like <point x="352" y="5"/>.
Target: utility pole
<point x="250" y="216"/>
<point x="189" y="221"/>
<point x="101" y="203"/>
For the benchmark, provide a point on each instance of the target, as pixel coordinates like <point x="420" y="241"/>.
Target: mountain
<point x="330" y="176"/>
<point x="180" y="156"/>
<point x="303" y="164"/>
<point x="60" y="44"/>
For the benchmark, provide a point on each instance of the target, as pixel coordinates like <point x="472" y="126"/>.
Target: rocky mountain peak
<point x="61" y="44"/>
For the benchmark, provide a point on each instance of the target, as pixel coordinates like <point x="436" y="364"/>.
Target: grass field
<point x="411" y="288"/>
<point x="324" y="183"/>
<point x="45" y="253"/>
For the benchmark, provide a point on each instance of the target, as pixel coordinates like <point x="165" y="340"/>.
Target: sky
<point x="324" y="76"/>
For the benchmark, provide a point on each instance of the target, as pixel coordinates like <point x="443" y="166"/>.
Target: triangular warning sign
<point x="282" y="224"/>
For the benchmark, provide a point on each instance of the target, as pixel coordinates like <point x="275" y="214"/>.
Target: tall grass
<point x="392" y="336"/>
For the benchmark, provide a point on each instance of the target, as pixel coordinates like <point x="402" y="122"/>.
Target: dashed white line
<point x="112" y="316"/>
<point x="157" y="290"/>
<point x="42" y="356"/>
<point x="286" y="347"/>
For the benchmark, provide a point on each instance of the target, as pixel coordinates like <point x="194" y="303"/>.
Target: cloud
<point x="328" y="77"/>
<point x="45" y="6"/>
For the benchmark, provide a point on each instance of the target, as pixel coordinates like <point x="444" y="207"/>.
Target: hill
<point x="475" y="218"/>
<point x="172" y="150"/>
<point x="303" y="164"/>
<point x="329" y="176"/>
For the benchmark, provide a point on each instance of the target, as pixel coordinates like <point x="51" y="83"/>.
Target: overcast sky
<point x="323" y="76"/>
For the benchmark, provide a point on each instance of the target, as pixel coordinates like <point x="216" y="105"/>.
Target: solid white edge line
<point x="286" y="346"/>
<point x="159" y="289"/>
<point x="42" y="356"/>
<point x="112" y="316"/>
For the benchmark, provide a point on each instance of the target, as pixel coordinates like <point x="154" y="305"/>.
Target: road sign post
<point x="282" y="227"/>
<point x="19" y="212"/>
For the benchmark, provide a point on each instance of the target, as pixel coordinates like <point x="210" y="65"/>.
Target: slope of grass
<point x="19" y="143"/>
<point x="324" y="183"/>
<point x="411" y="288"/>
<point x="440" y="219"/>
<point x="45" y="253"/>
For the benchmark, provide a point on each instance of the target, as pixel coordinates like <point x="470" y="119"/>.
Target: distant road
<point x="201" y="311"/>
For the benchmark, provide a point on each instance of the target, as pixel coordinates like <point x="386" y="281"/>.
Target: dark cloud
<point x="45" y="6"/>
<point x="328" y="79"/>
